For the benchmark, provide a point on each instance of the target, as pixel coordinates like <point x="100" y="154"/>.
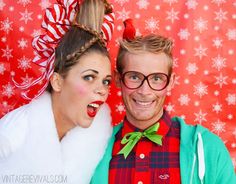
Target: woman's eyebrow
<point x="95" y="71"/>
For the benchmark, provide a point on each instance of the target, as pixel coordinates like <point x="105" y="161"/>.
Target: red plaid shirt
<point x="148" y="162"/>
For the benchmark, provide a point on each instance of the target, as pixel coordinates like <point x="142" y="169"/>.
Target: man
<point x="149" y="146"/>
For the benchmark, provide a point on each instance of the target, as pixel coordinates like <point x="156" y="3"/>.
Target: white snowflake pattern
<point x="200" y="52"/>
<point x="170" y="108"/>
<point x="24" y="2"/>
<point x="192" y="68"/>
<point x="152" y="24"/>
<point x="231" y="34"/>
<point x="191" y="4"/>
<point x="218" y="127"/>
<point x="36" y="32"/>
<point x="200" y="25"/>
<point x="26" y="16"/>
<point x="183" y="34"/>
<point x="123" y="14"/>
<point x="24" y="63"/>
<point x="217" y="107"/>
<point x="22" y="43"/>
<point x="26" y="80"/>
<point x="7" y="53"/>
<point x="218" y="62"/>
<point x="200" y="89"/>
<point x="120" y="108"/>
<point x="200" y="117"/>
<point x="221" y="80"/>
<point x="221" y="15"/>
<point x="44" y="4"/>
<point x="121" y="2"/>
<point x="230" y="116"/>
<point x="217" y="42"/>
<point x="143" y="4"/>
<point x="6" y="25"/>
<point x="2" y="4"/>
<point x="184" y="99"/>
<point x="2" y="68"/>
<point x="8" y="90"/>
<point x="172" y="15"/>
<point x="231" y="99"/>
<point x="218" y="2"/>
<point x="170" y="1"/>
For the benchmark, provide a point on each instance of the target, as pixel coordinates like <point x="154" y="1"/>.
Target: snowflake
<point x="123" y="14"/>
<point x="120" y="108"/>
<point x="143" y="4"/>
<point x="231" y="34"/>
<point x="2" y="68"/>
<point x="200" y="25"/>
<point x="170" y="107"/>
<point x="217" y="42"/>
<point x="170" y="1"/>
<point x="200" y="117"/>
<point x="8" y="90"/>
<point x="26" y="16"/>
<point x="191" y="4"/>
<point x="23" y="2"/>
<point x="44" y="4"/>
<point x="218" y="2"/>
<point x="220" y="15"/>
<point x="6" y="25"/>
<point x="24" y="63"/>
<point x="218" y="127"/>
<point x="22" y="43"/>
<point x="200" y="51"/>
<point x="177" y="80"/>
<point x="217" y="107"/>
<point x="121" y="2"/>
<point x="36" y="32"/>
<point x="200" y="89"/>
<point x="231" y="99"/>
<point x="172" y="15"/>
<point x="230" y="116"/>
<point x="175" y="63"/>
<point x="184" y="99"/>
<point x="26" y="80"/>
<point x="192" y="68"/>
<point x="218" y="62"/>
<point x="183" y="34"/>
<point x="3" y="39"/>
<point x="2" y="4"/>
<point x="221" y="80"/>
<point x="152" y="24"/>
<point x="7" y="53"/>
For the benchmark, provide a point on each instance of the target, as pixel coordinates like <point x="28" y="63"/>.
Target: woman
<point x="49" y="140"/>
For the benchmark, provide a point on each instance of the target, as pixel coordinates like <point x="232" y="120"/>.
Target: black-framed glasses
<point x="134" y="80"/>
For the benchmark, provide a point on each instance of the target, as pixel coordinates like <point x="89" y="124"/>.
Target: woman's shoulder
<point x="13" y="129"/>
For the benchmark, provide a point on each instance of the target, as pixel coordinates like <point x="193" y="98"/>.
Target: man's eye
<point x="134" y="77"/>
<point x="107" y="82"/>
<point x="88" y="77"/>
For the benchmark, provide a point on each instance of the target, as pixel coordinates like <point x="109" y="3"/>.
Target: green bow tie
<point x="130" y="139"/>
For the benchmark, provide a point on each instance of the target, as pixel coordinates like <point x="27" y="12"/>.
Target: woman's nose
<point x="101" y="90"/>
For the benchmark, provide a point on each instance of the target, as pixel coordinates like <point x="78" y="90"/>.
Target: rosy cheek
<point x="81" y="89"/>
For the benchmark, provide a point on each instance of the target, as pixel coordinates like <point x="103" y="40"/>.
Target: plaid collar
<point x="165" y="124"/>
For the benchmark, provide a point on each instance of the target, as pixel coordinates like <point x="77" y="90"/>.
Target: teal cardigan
<point x="203" y="157"/>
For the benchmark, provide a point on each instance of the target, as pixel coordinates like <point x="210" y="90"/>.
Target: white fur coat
<point x="29" y="144"/>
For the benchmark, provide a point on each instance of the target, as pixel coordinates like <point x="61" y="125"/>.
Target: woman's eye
<point x="107" y="82"/>
<point x="88" y="77"/>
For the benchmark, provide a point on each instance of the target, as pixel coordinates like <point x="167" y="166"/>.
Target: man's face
<point x="144" y="106"/>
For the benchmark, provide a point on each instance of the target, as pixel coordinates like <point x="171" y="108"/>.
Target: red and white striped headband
<point x="57" y="21"/>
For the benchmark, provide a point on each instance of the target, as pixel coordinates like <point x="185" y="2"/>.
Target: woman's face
<point x="82" y="92"/>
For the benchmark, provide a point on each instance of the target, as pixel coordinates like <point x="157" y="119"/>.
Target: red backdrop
<point x="204" y="34"/>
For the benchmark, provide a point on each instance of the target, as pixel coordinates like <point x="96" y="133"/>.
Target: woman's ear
<point x="117" y="78"/>
<point x="56" y="81"/>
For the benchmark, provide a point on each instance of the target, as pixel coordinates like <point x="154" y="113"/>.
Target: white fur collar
<point x="79" y="151"/>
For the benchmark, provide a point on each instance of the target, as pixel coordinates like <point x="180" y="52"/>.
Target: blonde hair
<point x="150" y="43"/>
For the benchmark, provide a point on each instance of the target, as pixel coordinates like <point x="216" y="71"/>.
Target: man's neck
<point x="144" y="124"/>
